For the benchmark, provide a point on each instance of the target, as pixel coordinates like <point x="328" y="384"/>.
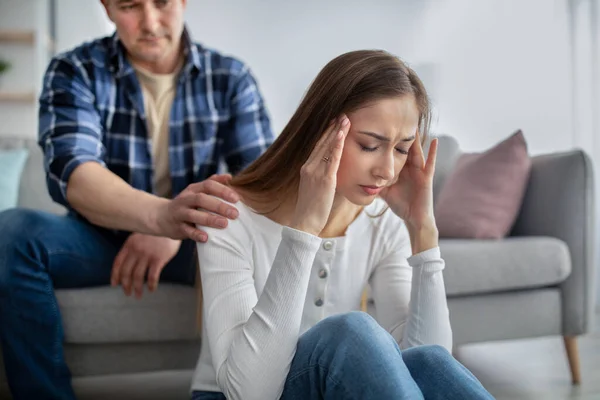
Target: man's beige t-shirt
<point x="159" y="91"/>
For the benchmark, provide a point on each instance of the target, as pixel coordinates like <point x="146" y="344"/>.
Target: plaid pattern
<point x="91" y="109"/>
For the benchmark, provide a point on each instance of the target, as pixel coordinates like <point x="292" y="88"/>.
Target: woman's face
<point x="376" y="147"/>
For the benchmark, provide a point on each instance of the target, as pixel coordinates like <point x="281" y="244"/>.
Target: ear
<point x="106" y="4"/>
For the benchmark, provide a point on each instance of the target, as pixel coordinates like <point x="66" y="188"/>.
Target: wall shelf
<point x="21" y="97"/>
<point x="16" y="36"/>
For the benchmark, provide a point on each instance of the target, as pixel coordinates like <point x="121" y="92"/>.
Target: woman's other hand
<point x="411" y="196"/>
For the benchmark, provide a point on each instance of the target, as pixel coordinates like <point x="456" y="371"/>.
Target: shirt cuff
<point x="423" y="257"/>
<point x="301" y="237"/>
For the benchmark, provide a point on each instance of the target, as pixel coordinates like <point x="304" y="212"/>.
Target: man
<point x="131" y="127"/>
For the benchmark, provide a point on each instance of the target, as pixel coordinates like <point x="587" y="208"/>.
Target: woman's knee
<point x="430" y="356"/>
<point x="353" y="324"/>
<point x="355" y="329"/>
<point x="352" y="339"/>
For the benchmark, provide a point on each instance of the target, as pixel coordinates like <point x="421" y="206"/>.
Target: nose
<point x="150" y="18"/>
<point x="385" y="167"/>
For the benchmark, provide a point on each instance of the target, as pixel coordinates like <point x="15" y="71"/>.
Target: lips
<point x="371" y="190"/>
<point x="151" y="39"/>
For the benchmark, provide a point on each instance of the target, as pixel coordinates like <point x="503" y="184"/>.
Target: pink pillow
<point x="482" y="196"/>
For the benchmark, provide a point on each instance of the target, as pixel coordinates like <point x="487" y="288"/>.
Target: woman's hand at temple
<point x="318" y="179"/>
<point x="411" y="196"/>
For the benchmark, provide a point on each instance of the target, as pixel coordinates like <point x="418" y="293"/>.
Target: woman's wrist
<point x="423" y="237"/>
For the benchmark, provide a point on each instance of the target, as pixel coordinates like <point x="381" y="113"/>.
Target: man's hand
<point x="140" y="255"/>
<point x="178" y="218"/>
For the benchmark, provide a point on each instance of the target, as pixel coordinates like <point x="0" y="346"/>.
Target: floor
<point x="533" y="369"/>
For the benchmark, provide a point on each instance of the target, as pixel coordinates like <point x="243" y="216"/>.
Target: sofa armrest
<point x="559" y="202"/>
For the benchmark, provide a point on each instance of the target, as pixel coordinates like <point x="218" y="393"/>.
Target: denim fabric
<point x="35" y="258"/>
<point x="350" y="356"/>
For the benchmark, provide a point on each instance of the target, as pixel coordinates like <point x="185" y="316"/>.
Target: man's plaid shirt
<point x="91" y="109"/>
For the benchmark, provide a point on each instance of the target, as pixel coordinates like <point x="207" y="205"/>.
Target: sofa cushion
<point x="482" y="196"/>
<point x="105" y="315"/>
<point x="486" y="266"/>
<point x="11" y="165"/>
<point x="33" y="192"/>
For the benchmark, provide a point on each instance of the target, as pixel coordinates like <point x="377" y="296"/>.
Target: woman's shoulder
<point x="241" y="229"/>
<point x="251" y="224"/>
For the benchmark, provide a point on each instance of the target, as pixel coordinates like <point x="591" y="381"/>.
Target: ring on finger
<point x="326" y="159"/>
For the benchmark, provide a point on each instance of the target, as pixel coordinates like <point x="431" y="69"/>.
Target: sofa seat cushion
<point x="105" y="315"/>
<point x="514" y="263"/>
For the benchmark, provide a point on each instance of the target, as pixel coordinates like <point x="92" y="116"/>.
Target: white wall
<point x="287" y="43"/>
<point x="585" y="43"/>
<point x="502" y="65"/>
<point x="493" y="66"/>
<point x="498" y="65"/>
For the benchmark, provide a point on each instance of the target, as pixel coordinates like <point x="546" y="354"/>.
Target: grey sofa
<point x="537" y="282"/>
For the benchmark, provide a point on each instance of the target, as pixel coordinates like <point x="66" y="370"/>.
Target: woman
<point x="281" y="284"/>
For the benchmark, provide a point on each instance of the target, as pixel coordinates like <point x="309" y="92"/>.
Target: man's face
<point x="149" y="29"/>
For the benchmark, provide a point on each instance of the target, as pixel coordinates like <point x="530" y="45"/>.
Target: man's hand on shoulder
<point x="178" y="218"/>
<point x="146" y="255"/>
<point x="142" y="255"/>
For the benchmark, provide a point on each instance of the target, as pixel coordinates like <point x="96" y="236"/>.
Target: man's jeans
<point x="350" y="356"/>
<point x="40" y="252"/>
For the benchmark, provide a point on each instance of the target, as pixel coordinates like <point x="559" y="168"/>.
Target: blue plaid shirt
<point x="91" y="109"/>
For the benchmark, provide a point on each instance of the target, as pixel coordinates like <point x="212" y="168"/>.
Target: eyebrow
<point x="383" y="138"/>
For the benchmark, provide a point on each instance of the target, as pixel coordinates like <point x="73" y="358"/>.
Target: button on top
<point x="328" y="245"/>
<point x="319" y="302"/>
<point x="323" y="273"/>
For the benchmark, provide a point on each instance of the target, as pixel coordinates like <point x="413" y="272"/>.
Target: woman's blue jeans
<point x="350" y="356"/>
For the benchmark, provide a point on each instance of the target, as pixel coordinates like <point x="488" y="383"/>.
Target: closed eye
<point x="127" y="6"/>
<point x="372" y="149"/>
<point x="368" y="149"/>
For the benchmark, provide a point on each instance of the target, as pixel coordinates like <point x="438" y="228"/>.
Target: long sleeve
<point x="253" y="339"/>
<point x="410" y="297"/>
<point x="70" y="132"/>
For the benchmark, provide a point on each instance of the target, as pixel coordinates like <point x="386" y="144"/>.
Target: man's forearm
<point x="106" y="200"/>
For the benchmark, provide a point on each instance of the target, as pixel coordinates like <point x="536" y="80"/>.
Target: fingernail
<point x="345" y="121"/>
<point x="340" y="134"/>
<point x="232" y="198"/>
<point x="231" y="214"/>
<point x="221" y="223"/>
<point x="203" y="238"/>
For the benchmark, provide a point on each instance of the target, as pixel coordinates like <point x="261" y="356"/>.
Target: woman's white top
<point x="265" y="284"/>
